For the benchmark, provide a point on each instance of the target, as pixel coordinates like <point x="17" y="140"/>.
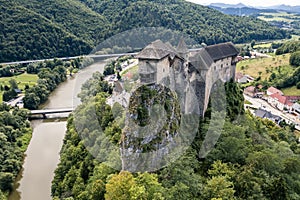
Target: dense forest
<point x="35" y="29"/>
<point x="24" y="34"/>
<point x="15" y="134"/>
<point x="253" y="158"/>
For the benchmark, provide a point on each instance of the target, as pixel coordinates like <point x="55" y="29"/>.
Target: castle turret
<point x="182" y="49"/>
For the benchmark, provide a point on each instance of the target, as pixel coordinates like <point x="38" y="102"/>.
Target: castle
<point x="179" y="69"/>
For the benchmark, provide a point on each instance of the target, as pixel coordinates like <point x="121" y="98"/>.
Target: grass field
<point x="263" y="45"/>
<point x="21" y="80"/>
<point x="292" y="91"/>
<point x="281" y="16"/>
<point x="265" y="66"/>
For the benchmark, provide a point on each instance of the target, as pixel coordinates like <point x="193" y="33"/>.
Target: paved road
<point x="15" y="101"/>
<point x="262" y="103"/>
<point x="69" y="58"/>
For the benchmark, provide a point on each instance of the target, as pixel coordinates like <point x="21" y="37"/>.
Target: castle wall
<point x="163" y="69"/>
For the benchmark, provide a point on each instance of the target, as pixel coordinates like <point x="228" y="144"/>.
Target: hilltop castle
<point x="179" y="69"/>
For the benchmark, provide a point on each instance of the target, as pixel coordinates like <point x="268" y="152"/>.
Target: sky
<point x="250" y="2"/>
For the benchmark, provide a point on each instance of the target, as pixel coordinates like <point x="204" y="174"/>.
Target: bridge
<point x="45" y="112"/>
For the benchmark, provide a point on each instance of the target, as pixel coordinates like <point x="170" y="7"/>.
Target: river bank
<point x="42" y="155"/>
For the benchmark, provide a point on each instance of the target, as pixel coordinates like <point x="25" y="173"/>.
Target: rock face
<point x="153" y="121"/>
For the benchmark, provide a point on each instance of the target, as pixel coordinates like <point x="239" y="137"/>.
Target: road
<point x="262" y="103"/>
<point x="74" y="57"/>
<point x="13" y="102"/>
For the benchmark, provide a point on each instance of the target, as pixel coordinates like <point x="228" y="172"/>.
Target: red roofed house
<point x="250" y="91"/>
<point x="282" y="102"/>
<point x="273" y="90"/>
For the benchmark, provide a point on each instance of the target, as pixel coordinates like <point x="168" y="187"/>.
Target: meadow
<point x="22" y="80"/>
<point x="264" y="67"/>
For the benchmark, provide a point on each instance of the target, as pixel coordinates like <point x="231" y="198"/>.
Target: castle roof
<point x="156" y="51"/>
<point x="220" y="51"/>
<point x="201" y="59"/>
<point x="182" y="48"/>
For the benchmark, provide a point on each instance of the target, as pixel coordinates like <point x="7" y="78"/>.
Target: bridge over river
<point x="36" y="114"/>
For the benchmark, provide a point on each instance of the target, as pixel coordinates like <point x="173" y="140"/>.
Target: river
<point x="42" y="155"/>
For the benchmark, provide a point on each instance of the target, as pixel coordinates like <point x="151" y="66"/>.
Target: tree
<point x="295" y="59"/>
<point x="252" y="43"/>
<point x="31" y="101"/>
<point x="119" y="185"/>
<point x="219" y="187"/>
<point x="13" y="84"/>
<point x="298" y="85"/>
<point x="6" y="181"/>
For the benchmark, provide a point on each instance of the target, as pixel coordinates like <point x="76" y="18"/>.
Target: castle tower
<point x="182" y="49"/>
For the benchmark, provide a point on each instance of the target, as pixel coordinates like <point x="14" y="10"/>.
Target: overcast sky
<point x="251" y="3"/>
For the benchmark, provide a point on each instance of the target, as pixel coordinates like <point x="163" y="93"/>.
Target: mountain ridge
<point x="82" y="24"/>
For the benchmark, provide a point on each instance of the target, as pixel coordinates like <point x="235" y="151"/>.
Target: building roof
<point x="244" y="79"/>
<point x="274" y="90"/>
<point x="181" y="47"/>
<point x="296" y="107"/>
<point x="282" y="99"/>
<point x="18" y="91"/>
<point x="239" y="75"/>
<point x="250" y="89"/>
<point x="201" y="60"/>
<point x="156" y="51"/>
<point x="220" y="51"/>
<point x="263" y="114"/>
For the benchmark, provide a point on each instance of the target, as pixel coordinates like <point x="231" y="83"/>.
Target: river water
<point x="42" y="155"/>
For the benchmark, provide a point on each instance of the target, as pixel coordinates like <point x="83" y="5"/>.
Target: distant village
<point x="288" y="107"/>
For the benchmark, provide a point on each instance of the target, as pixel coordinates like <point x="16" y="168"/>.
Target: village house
<point x="282" y="102"/>
<point x="264" y="114"/>
<point x="273" y="90"/>
<point x="296" y="109"/>
<point x="253" y="92"/>
<point x="250" y="91"/>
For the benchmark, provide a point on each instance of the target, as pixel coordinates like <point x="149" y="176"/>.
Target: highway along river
<point x="42" y="155"/>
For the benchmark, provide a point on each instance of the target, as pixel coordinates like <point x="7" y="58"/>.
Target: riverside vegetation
<point x="15" y="134"/>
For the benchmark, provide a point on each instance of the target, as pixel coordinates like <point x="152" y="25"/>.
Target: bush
<point x="295" y="59"/>
<point x="298" y="85"/>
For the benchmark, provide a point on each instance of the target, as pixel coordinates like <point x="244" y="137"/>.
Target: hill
<point x="25" y="34"/>
<point x="241" y="11"/>
<point x="202" y="23"/>
<point x="34" y="29"/>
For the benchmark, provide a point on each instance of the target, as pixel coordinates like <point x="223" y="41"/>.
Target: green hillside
<point x="25" y="34"/>
<point x="31" y="29"/>
<point x="73" y="16"/>
<point x="201" y="23"/>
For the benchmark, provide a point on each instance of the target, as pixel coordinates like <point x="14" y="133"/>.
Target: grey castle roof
<point x="182" y="48"/>
<point x="156" y="51"/>
<point x="220" y="51"/>
<point x="201" y="59"/>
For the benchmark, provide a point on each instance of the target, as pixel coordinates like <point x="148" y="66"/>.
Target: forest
<point x="15" y="134"/>
<point x="35" y="29"/>
<point x="253" y="158"/>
